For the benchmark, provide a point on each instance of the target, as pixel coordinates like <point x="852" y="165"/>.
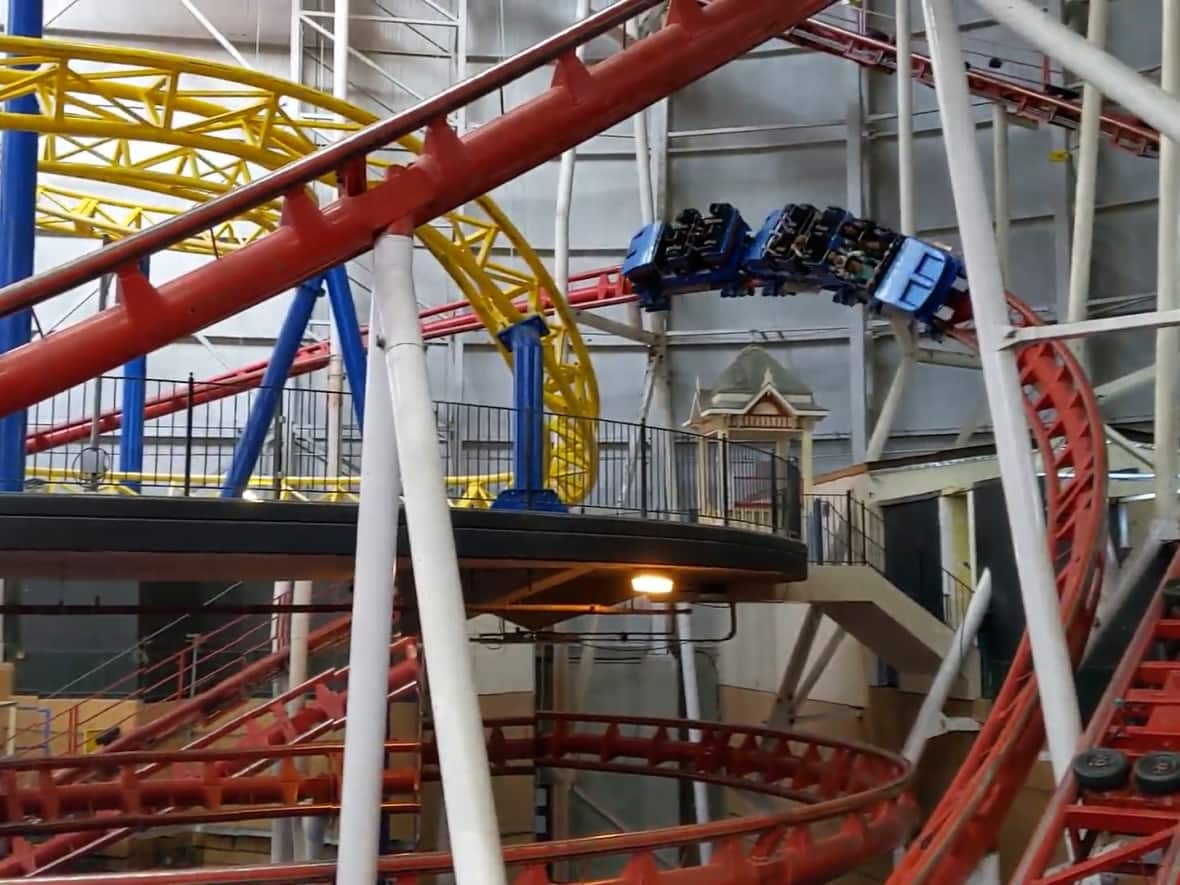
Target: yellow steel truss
<point x="186" y="130"/>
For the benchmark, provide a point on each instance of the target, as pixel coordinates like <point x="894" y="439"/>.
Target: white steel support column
<point x="647" y="205"/>
<point x="803" y="691"/>
<point x="565" y="191"/>
<point x="897" y="387"/>
<point x="1113" y="78"/>
<point x="282" y="830"/>
<point x="948" y="671"/>
<point x="372" y="617"/>
<point x="341" y="30"/>
<point x="297" y="675"/>
<point x="1000" y="186"/>
<point x="971" y="425"/>
<point x="1167" y="341"/>
<point x="462" y="44"/>
<point x="462" y="753"/>
<point x="857" y="346"/>
<point x="1086" y="186"/>
<point x="905" y="121"/>
<point x="787" y="689"/>
<point x="1037" y="583"/>
<point x="300" y="624"/>
<point x="692" y="709"/>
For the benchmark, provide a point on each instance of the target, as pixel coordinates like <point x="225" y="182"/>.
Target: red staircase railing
<point x="264" y="727"/>
<point x="209" y="658"/>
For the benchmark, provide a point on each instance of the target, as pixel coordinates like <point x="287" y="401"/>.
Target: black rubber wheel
<point x="1101" y="769"/>
<point x="1158" y="774"/>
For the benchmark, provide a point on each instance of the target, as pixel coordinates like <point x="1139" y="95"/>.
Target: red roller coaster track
<point x="1062" y="411"/>
<point x="1127" y="829"/>
<point x="824" y="780"/>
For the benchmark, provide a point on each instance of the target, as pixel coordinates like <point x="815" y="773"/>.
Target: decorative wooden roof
<point x="757" y="385"/>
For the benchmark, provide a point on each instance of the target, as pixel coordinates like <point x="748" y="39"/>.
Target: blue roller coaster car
<point x="693" y="254"/>
<point x="921" y="280"/>
<point x="772" y="257"/>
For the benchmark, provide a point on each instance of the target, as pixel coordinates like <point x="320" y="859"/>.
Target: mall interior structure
<point x="633" y="442"/>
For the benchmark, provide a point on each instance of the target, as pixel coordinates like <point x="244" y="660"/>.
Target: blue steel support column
<point x="134" y="395"/>
<point x="262" y="413"/>
<point x="528" y="447"/>
<point x="18" y="199"/>
<point x="352" y="351"/>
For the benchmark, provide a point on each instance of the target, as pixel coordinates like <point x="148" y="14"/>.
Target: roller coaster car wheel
<point x="1101" y="769"/>
<point x="1158" y="774"/>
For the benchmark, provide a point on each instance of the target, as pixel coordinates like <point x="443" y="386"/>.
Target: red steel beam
<point x="593" y="289"/>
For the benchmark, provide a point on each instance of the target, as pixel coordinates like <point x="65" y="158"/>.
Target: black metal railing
<point x="842" y="530"/>
<point x="627" y="468"/>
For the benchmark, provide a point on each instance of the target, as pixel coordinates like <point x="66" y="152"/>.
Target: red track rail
<point x="450" y="171"/>
<point x="593" y="289"/>
<point x="1122" y="831"/>
<point x="1067" y="427"/>
<point x="826" y="781"/>
<point x="265" y="725"/>
<point x="1022" y="101"/>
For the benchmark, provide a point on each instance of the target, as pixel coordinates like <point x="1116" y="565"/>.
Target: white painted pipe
<point x="647" y="205"/>
<point x="372" y="617"/>
<point x="897" y="388"/>
<point x="692" y="709"/>
<point x="565" y="193"/>
<point x="282" y="830"/>
<point x="971" y="425"/>
<point x="1167" y="347"/>
<point x="988" y="871"/>
<point x="1005" y="397"/>
<point x="297" y="660"/>
<point x="1087" y="179"/>
<point x="948" y="671"/>
<point x="1000" y="188"/>
<point x="297" y="675"/>
<point x="1121" y="82"/>
<point x="1086" y="187"/>
<point x="462" y="752"/>
<point x="817" y="669"/>
<point x="905" y="121"/>
<point x="341" y="37"/>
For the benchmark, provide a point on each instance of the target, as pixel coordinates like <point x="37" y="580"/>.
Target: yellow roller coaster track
<point x="187" y="130"/>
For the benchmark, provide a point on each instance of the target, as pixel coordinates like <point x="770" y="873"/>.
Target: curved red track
<point x="1063" y="413"/>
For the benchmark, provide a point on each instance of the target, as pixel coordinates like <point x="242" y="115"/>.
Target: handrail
<point x="328" y="160"/>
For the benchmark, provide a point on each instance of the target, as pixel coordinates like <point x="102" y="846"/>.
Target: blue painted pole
<point x="134" y="396"/>
<point x="528" y="444"/>
<point x="352" y="351"/>
<point x="262" y="413"/>
<point x="18" y="201"/>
